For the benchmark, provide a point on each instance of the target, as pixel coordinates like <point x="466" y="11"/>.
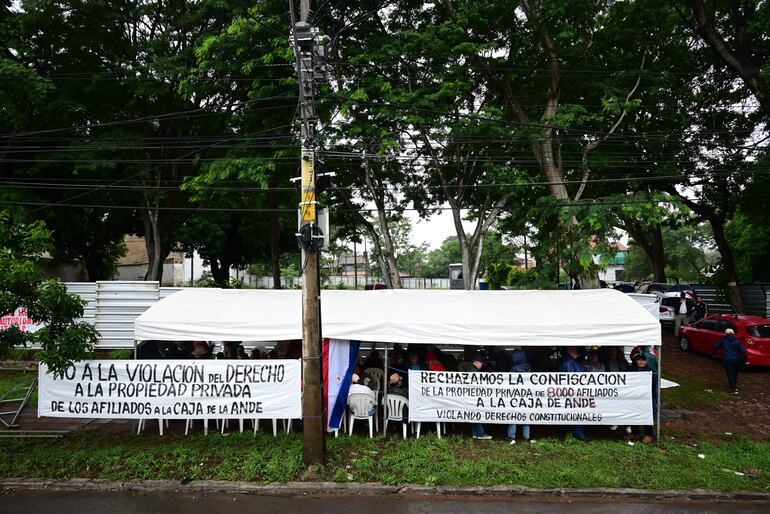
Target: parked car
<point x="669" y="303"/>
<point x="754" y="331"/>
<point x="660" y="287"/>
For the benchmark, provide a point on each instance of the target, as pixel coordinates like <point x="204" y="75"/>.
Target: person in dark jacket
<point x="733" y="355"/>
<point x="519" y="364"/>
<point x="477" y="429"/>
<point x="571" y="364"/>
<point x="700" y="310"/>
<point x="640" y="364"/>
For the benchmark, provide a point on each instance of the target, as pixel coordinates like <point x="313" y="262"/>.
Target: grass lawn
<point x="453" y="461"/>
<point x="692" y="392"/>
<point x="12" y="379"/>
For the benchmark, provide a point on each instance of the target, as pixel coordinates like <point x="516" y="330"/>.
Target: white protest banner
<point x="173" y="389"/>
<point x="531" y="398"/>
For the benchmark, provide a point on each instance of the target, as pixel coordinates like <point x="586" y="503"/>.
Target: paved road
<point x="120" y="503"/>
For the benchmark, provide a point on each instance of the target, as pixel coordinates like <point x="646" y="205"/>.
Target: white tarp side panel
<point x="649" y="302"/>
<point x="117" y="306"/>
<point x="524" y="318"/>
<point x="223" y="315"/>
<point x="173" y="389"/>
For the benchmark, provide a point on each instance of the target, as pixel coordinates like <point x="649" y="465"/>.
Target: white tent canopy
<point x="496" y="318"/>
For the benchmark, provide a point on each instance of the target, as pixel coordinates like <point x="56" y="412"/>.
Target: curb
<point x="353" y="489"/>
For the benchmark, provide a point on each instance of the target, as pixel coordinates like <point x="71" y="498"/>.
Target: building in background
<point x="617" y="265"/>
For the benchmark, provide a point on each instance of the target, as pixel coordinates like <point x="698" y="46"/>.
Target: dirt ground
<point x="747" y="414"/>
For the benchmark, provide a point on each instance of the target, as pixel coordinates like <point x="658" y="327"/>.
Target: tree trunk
<point x="386" y="276"/>
<point x="465" y="251"/>
<point x="652" y="244"/>
<point x="153" y="244"/>
<point x="728" y="262"/>
<point x="220" y="271"/>
<point x="478" y="251"/>
<point x="390" y="253"/>
<point x="657" y="255"/>
<point x="93" y="268"/>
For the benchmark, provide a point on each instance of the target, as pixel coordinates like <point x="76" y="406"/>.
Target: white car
<point x="669" y="303"/>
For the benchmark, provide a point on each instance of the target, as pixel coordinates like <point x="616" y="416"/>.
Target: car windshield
<point x="759" y="331"/>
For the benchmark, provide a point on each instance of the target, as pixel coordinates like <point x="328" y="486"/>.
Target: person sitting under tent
<point x="477" y="429"/>
<point x="640" y="364"/>
<point x="594" y="364"/>
<point x="519" y="364"/>
<point x="356" y="387"/>
<point x="414" y="362"/>
<point x="397" y="386"/>
<point x="432" y="362"/>
<point x="373" y="360"/>
<point x="615" y="360"/>
<point x="571" y="363"/>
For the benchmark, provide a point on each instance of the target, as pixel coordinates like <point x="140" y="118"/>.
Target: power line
<point x="245" y="189"/>
<point x="80" y="195"/>
<point x="531" y="125"/>
<point x="579" y="205"/>
<point x="151" y="117"/>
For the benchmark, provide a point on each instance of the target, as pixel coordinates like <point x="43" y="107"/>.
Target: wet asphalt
<point x="121" y="503"/>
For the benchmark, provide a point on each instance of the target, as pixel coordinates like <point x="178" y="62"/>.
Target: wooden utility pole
<point x="310" y="239"/>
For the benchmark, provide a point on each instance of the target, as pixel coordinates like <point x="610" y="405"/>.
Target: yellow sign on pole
<point x="308" y="187"/>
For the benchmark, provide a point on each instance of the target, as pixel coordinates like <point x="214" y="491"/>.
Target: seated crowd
<point x="521" y="360"/>
<point x="205" y="350"/>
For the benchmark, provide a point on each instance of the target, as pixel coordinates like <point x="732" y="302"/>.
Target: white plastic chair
<point x="394" y="411"/>
<point x="378" y="374"/>
<point x="439" y="426"/>
<point x="361" y="406"/>
<point x="140" y="427"/>
<point x="255" y="422"/>
<point x="226" y="422"/>
<point x="189" y="422"/>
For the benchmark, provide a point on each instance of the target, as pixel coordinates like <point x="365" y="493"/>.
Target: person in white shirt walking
<point x="683" y="313"/>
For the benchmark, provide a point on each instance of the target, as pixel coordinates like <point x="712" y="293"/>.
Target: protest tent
<point x="209" y="314"/>
<point x="491" y="318"/>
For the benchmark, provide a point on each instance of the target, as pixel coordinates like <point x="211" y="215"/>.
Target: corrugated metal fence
<point x="755" y="298"/>
<point x="114" y="305"/>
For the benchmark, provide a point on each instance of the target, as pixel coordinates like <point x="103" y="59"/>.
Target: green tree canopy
<point x="63" y="339"/>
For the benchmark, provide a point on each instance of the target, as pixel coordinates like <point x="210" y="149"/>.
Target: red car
<point x="753" y="331"/>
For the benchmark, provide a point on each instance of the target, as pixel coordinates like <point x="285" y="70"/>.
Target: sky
<point x="435" y="229"/>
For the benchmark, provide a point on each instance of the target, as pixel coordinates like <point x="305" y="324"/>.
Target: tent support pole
<point x="136" y="350"/>
<point x="384" y="390"/>
<point x="657" y="414"/>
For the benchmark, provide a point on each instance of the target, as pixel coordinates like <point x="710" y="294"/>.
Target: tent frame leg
<point x="385" y="391"/>
<point x="657" y="413"/>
